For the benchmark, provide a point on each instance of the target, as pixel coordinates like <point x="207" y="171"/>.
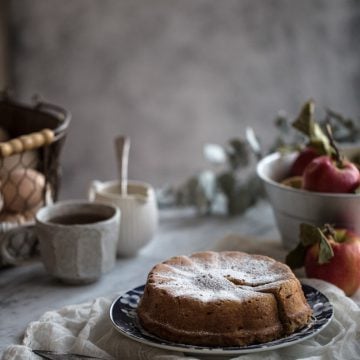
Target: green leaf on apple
<point x="296" y="257"/>
<point x="325" y="252"/>
<point x="306" y="124"/>
<point x="309" y="236"/>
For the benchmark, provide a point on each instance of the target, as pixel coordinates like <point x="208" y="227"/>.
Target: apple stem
<point x="337" y="155"/>
<point x="328" y="231"/>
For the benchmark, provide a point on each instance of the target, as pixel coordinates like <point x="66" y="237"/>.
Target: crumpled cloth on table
<point x="87" y="329"/>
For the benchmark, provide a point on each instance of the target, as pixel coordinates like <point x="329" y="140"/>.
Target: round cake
<point x="222" y="299"/>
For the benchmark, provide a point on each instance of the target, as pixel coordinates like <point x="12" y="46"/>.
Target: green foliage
<point x="304" y="129"/>
<point x="237" y="154"/>
<point x="309" y="236"/>
<point x="223" y="189"/>
<point x="230" y="185"/>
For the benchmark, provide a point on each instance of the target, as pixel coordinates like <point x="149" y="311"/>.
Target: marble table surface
<point x="27" y="291"/>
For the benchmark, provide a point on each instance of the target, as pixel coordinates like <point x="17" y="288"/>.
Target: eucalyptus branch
<point x="230" y="185"/>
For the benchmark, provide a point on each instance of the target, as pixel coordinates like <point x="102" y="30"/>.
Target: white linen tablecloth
<point x="86" y="328"/>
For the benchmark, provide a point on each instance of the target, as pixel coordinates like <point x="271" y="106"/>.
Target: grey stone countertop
<point x="27" y="291"/>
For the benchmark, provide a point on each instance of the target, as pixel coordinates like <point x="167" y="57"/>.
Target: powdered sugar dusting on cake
<point x="211" y="276"/>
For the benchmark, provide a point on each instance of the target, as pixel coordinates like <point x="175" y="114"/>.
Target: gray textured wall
<point x="4" y="64"/>
<point x="174" y="74"/>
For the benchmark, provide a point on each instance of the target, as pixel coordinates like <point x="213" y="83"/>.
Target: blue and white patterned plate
<point x="124" y="318"/>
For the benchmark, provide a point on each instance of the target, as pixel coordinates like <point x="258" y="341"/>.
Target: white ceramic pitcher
<point x="139" y="213"/>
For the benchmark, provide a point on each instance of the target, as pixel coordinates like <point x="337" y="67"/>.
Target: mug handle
<point x="10" y="239"/>
<point x="93" y="188"/>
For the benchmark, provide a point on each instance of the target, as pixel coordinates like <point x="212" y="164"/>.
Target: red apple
<point x="325" y="174"/>
<point x="343" y="269"/>
<point x="302" y="161"/>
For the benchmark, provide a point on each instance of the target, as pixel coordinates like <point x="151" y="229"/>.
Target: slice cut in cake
<point x="222" y="299"/>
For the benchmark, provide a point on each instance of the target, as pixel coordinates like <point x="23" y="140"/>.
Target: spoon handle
<point x="122" y="148"/>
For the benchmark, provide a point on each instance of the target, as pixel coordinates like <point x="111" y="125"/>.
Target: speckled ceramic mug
<point x="78" y="239"/>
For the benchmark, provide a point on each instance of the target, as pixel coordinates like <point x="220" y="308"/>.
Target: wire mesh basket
<point x="31" y="140"/>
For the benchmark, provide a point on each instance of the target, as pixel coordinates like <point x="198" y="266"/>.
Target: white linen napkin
<point x="87" y="329"/>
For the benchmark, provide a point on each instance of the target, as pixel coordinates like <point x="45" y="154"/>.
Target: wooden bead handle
<point x="26" y="142"/>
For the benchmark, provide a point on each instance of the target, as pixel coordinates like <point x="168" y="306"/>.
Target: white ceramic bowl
<point x="295" y="206"/>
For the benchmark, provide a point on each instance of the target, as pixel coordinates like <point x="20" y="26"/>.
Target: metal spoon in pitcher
<point x="122" y="148"/>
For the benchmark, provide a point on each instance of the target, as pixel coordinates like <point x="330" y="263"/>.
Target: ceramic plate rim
<point x="195" y="349"/>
